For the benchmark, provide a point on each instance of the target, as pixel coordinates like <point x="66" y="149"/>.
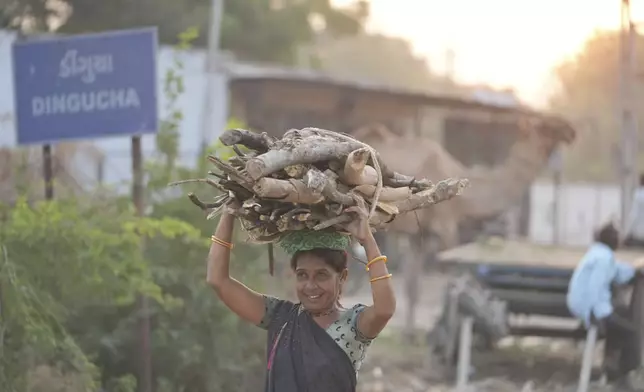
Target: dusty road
<point x="521" y="365"/>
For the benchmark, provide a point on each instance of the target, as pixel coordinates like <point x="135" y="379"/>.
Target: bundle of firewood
<point x="307" y="179"/>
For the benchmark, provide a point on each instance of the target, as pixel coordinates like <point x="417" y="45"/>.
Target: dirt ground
<point x="521" y="365"/>
<point x="392" y="366"/>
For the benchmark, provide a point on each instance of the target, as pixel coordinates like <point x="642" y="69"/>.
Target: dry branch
<point x="440" y="192"/>
<point x="310" y="150"/>
<point x="356" y="171"/>
<point x="306" y="180"/>
<point x="387" y="193"/>
<point x="290" y="191"/>
<point x="255" y="141"/>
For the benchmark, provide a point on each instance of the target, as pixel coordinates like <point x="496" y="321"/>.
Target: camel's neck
<point x="494" y="190"/>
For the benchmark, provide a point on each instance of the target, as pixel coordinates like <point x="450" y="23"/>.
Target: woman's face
<point x="318" y="285"/>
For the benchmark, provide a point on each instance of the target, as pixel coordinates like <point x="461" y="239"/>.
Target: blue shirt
<point x="589" y="291"/>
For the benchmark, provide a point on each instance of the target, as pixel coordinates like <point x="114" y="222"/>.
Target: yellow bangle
<point x="377" y="259"/>
<point x="222" y="242"/>
<point x="381" y="278"/>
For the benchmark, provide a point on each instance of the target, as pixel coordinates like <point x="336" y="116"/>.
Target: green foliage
<point x="588" y="94"/>
<point x="252" y="29"/>
<point x="59" y="259"/>
<point x="163" y="168"/>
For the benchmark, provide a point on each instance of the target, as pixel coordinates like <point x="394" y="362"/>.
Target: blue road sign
<point x="86" y="86"/>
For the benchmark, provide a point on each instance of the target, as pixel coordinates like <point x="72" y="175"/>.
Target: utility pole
<point x="556" y="164"/>
<point x="627" y="119"/>
<point x="450" y="64"/>
<point x="213" y="67"/>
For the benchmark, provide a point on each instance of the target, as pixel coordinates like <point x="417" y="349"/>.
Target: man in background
<point x="590" y="299"/>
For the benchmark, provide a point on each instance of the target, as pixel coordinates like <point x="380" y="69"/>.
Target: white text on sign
<point x="85" y="102"/>
<point x="87" y="67"/>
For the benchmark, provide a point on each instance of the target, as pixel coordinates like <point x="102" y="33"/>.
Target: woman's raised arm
<point x="375" y="317"/>
<point x="246" y="303"/>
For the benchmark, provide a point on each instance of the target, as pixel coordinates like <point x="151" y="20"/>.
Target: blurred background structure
<point x="534" y="101"/>
<point x="359" y="61"/>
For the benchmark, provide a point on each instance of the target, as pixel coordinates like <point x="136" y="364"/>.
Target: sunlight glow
<point x="505" y="43"/>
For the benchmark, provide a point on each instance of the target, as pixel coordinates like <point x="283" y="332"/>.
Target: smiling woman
<point x="315" y="344"/>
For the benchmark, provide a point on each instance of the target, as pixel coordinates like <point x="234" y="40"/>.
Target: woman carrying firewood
<point x="315" y="344"/>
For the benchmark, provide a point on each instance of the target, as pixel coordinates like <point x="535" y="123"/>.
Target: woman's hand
<point x="359" y="227"/>
<point x="232" y="205"/>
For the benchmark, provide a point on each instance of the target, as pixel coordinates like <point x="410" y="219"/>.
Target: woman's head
<point x="320" y="274"/>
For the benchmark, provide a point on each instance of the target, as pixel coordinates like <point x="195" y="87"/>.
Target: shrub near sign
<point x="86" y="86"/>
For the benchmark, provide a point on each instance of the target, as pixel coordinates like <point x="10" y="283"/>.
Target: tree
<point x="375" y="57"/>
<point x="59" y="259"/>
<point x="587" y="93"/>
<point x="252" y="29"/>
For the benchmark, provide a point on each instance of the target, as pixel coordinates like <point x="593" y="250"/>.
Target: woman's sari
<point x="303" y="357"/>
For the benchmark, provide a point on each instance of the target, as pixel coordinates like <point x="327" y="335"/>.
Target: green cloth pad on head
<point x="303" y="240"/>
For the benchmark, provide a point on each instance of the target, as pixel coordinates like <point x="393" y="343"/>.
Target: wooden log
<point x="388" y="208"/>
<point x="369" y="176"/>
<point x="296" y="171"/>
<point x="316" y="180"/>
<point x="326" y="184"/>
<point x="255" y="141"/>
<point x="389" y="177"/>
<point x="308" y="145"/>
<point x="356" y="171"/>
<point x="387" y="194"/>
<point x="291" y="191"/>
<point x="309" y="150"/>
<point x="442" y="191"/>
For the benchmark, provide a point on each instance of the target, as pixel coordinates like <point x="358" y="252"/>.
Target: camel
<point x="492" y="190"/>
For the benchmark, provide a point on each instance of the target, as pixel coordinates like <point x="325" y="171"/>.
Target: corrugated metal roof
<point x="244" y="72"/>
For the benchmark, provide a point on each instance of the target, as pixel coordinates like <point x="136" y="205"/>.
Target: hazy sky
<point x="506" y="43"/>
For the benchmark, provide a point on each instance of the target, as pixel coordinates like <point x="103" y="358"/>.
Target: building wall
<point x="583" y="208"/>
